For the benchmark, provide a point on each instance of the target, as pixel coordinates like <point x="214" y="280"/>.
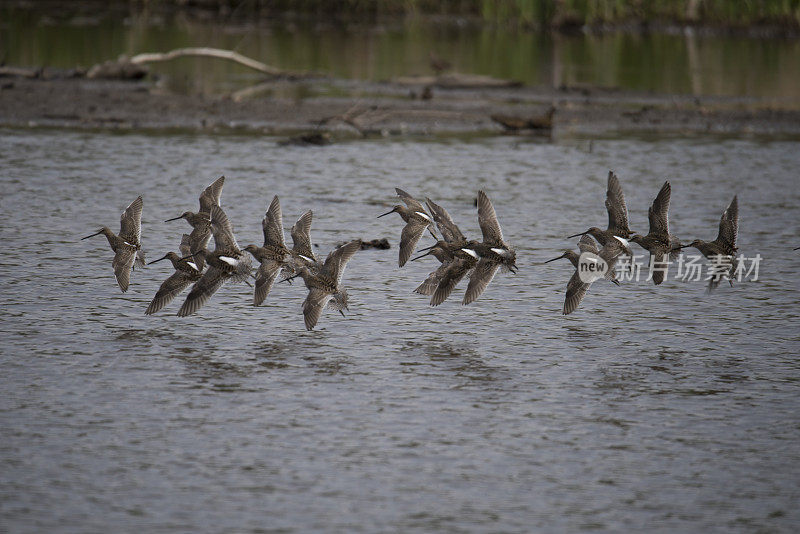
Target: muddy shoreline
<point x="379" y="109"/>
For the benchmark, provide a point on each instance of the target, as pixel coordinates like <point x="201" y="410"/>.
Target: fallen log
<point x="134" y="68"/>
<point x="21" y="72"/>
<point x="456" y="80"/>
<point x="153" y="57"/>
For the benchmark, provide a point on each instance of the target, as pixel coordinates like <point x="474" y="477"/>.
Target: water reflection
<point x="664" y="63"/>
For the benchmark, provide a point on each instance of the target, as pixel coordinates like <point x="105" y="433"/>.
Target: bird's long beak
<point x="385" y="214"/>
<point x="558" y="258"/>
<point x="174" y="218"/>
<point x="94" y="234"/>
<point x="576" y="235"/>
<point x="798" y="248"/>
<point x="159" y="259"/>
<point x="290" y="278"/>
<point x="426" y="248"/>
<point x="422" y="255"/>
<point x="342" y="312"/>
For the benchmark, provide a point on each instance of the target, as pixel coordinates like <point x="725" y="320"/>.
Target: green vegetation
<point x="542" y="13"/>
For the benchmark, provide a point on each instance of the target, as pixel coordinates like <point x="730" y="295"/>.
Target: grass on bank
<point x="543" y="13"/>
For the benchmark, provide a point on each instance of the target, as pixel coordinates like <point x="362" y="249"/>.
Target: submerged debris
<point x="308" y="139"/>
<point x="381" y="244"/>
<point x="515" y="123"/>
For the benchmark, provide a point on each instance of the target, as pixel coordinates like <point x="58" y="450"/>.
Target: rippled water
<point x="659" y="408"/>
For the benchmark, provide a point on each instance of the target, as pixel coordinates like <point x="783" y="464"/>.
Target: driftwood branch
<point x="131" y="68"/>
<point x="21" y="72"/>
<point x="153" y="57"/>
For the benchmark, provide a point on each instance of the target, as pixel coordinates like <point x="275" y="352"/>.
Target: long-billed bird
<point x="127" y="246"/>
<point x="723" y="249"/>
<point x="201" y="221"/>
<point x="456" y="260"/>
<point x="577" y="285"/>
<point x="617" y="214"/>
<point x="324" y="283"/>
<point x="273" y="255"/>
<point x="659" y="242"/>
<point x="417" y="221"/>
<point x="227" y="262"/>
<point x="586" y="244"/>
<point x="492" y="252"/>
<point x="455" y="265"/>
<point x="186" y="272"/>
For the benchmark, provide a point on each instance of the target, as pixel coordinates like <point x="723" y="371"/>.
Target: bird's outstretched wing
<point x="429" y="285"/>
<point x="449" y="230"/>
<point x="729" y="224"/>
<point x="130" y="223"/>
<point x="455" y="272"/>
<point x="483" y="274"/>
<point x="211" y="195"/>
<point x="587" y="244"/>
<point x="658" y="263"/>
<point x="265" y="278"/>
<point x="123" y="263"/>
<point x="313" y="305"/>
<point x="301" y="236"/>
<point x="198" y="240"/>
<point x="201" y="291"/>
<point x="576" y="290"/>
<point x="170" y="288"/>
<point x="409" y="237"/>
<point x="617" y="210"/>
<point x="487" y="220"/>
<point x="272" y="224"/>
<point x="185" y="247"/>
<point x="222" y="229"/>
<point x="658" y="213"/>
<point x="338" y="258"/>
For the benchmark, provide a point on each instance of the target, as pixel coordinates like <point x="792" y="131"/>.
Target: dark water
<point x="649" y="408"/>
<point x="674" y="63"/>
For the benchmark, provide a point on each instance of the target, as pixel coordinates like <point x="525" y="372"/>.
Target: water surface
<point x="648" y="408"/>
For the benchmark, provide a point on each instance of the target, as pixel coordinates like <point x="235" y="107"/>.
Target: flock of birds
<point x="459" y="257"/>
<point x="208" y="270"/>
<point x="662" y="245"/>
